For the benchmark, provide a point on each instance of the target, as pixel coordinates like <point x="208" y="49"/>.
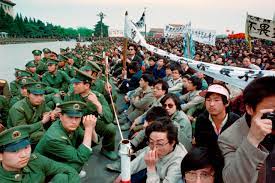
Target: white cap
<point x="215" y="88"/>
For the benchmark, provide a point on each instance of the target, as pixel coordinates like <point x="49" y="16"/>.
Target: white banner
<point x="115" y="33"/>
<point x="170" y="31"/>
<point x="141" y="23"/>
<point x="260" y="28"/>
<point x="204" y="36"/>
<point x="236" y="76"/>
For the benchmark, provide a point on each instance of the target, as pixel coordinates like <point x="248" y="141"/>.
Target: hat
<point x="216" y="88"/>
<point x="62" y="58"/>
<point x="36" y="88"/>
<point x="36" y="52"/>
<point x="30" y="64"/>
<point x="86" y="68"/>
<point x="69" y="55"/>
<point x="62" y="50"/>
<point x="22" y="73"/>
<point x="53" y="53"/>
<point x="15" y="138"/>
<point x="52" y="61"/>
<point x="46" y="50"/>
<point x="23" y="81"/>
<point x="94" y="66"/>
<point x="81" y="76"/>
<point x="72" y="108"/>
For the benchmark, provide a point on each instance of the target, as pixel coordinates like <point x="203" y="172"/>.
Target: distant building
<point x="156" y="32"/>
<point x="7" y="6"/>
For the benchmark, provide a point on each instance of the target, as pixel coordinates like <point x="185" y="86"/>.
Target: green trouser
<point x="108" y="132"/>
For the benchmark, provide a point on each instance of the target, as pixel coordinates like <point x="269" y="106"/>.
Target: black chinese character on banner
<point x="226" y="71"/>
<point x="202" y="67"/>
<point x="264" y="28"/>
<point x="251" y="25"/>
<point x="252" y="75"/>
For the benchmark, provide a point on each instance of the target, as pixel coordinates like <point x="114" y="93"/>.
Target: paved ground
<point x="95" y="168"/>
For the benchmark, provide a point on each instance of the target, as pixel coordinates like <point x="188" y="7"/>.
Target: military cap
<point x="72" y="108"/>
<point x="52" y="61"/>
<point x="94" y="66"/>
<point x="36" y="52"/>
<point x="86" y="68"/>
<point x="37" y="88"/>
<point x="30" y="64"/>
<point x="16" y="138"/>
<point x="22" y="73"/>
<point x="53" y="53"/>
<point x="46" y="50"/>
<point x="62" y="50"/>
<point x="69" y="55"/>
<point x="81" y="76"/>
<point x="23" y="81"/>
<point x="62" y="58"/>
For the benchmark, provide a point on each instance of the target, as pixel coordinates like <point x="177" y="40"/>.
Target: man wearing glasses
<point x="160" y="160"/>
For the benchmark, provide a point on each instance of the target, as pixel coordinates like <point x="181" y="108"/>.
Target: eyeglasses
<point x="158" y="146"/>
<point x="169" y="105"/>
<point x="193" y="176"/>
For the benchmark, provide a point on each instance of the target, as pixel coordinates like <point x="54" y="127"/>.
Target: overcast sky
<point x="216" y="15"/>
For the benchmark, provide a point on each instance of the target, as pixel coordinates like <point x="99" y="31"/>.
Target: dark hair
<point x="154" y="113"/>
<point x="157" y="126"/>
<point x="134" y="46"/>
<point x="224" y="99"/>
<point x="257" y="90"/>
<point x="148" y="78"/>
<point x="134" y="66"/>
<point x="152" y="58"/>
<point x="196" y="82"/>
<point x="164" y="85"/>
<point x="178" y="68"/>
<point x="203" y="157"/>
<point x="174" y="97"/>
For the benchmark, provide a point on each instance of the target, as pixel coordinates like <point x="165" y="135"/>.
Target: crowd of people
<point x="183" y="126"/>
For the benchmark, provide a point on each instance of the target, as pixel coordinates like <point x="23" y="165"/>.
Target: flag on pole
<point x="247" y="36"/>
<point x="188" y="45"/>
<point x="141" y="23"/>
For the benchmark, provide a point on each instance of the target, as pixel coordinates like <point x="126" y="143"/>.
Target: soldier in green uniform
<point x="19" y="165"/>
<point x="15" y="85"/>
<point x="40" y="66"/>
<point x="31" y="109"/>
<point x="47" y="54"/>
<point x="96" y="104"/>
<point x="65" y="141"/>
<point x="31" y="67"/>
<point x="55" y="78"/>
<point x="64" y="66"/>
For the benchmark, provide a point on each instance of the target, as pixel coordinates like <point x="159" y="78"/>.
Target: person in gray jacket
<point x="161" y="160"/>
<point x="246" y="144"/>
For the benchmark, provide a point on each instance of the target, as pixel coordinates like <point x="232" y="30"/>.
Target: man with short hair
<point x="247" y="64"/>
<point x="246" y="144"/>
<point x="216" y="118"/>
<point x="19" y="165"/>
<point x="175" y="83"/>
<point x="140" y="102"/>
<point x="97" y="105"/>
<point x="31" y="109"/>
<point x="65" y="141"/>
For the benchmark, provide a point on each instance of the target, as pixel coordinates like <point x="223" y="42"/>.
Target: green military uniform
<point x="34" y="76"/>
<point x="45" y="51"/>
<point x="59" y="80"/>
<point x="41" y="67"/>
<point x="39" y="169"/>
<point x="67" y="68"/>
<point x="62" y="146"/>
<point x="4" y="110"/>
<point x="104" y="126"/>
<point x="15" y="85"/>
<point x="23" y="112"/>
